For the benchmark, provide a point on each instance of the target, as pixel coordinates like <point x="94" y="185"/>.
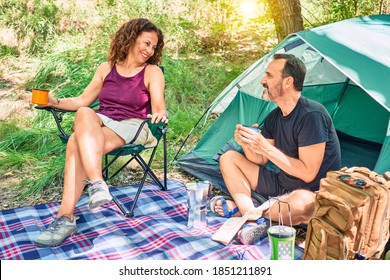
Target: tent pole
<point x="185" y="140"/>
<point x="341" y="97"/>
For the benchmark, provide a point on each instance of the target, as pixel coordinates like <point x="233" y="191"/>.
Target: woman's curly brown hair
<point x="124" y="39"/>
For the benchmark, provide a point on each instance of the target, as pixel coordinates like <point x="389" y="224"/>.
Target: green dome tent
<point x="348" y="71"/>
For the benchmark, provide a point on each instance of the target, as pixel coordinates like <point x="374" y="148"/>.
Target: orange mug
<point x="40" y="96"/>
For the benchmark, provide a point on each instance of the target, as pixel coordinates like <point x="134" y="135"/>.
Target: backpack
<point x="351" y="216"/>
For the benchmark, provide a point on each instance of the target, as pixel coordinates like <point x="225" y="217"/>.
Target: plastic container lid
<point x="281" y="231"/>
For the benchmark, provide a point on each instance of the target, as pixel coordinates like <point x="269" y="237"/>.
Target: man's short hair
<point x="294" y="68"/>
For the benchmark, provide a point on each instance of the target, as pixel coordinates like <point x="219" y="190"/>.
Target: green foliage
<point x="34" y="151"/>
<point x="191" y="85"/>
<point x="67" y="73"/>
<point x="8" y="51"/>
<point x="36" y="23"/>
<point x="319" y="12"/>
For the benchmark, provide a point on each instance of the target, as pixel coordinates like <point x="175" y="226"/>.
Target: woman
<point x="129" y="86"/>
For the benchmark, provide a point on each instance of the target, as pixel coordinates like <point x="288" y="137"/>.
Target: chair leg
<point x="105" y="169"/>
<point x="108" y="164"/>
<point x="165" y="158"/>
<point x="146" y="167"/>
<point x="130" y="213"/>
<point x="121" y="168"/>
<point x="122" y="209"/>
<point x="135" y="200"/>
<point x="147" y="171"/>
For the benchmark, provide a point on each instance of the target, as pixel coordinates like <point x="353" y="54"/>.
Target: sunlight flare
<point x="250" y="8"/>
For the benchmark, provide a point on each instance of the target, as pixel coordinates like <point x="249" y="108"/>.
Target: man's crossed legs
<point x="241" y="177"/>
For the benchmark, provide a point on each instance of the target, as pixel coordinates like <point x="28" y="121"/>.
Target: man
<point x="298" y="137"/>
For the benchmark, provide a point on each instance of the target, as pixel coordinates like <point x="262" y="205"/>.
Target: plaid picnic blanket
<point x="158" y="231"/>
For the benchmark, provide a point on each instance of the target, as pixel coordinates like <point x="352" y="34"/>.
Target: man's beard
<point x="271" y="95"/>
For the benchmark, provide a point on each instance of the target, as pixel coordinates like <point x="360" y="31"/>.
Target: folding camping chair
<point x="159" y="131"/>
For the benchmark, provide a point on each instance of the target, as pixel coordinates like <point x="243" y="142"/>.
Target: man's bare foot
<point x="230" y="204"/>
<point x="224" y="207"/>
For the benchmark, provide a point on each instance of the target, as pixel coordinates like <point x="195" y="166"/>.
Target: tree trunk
<point x="287" y="16"/>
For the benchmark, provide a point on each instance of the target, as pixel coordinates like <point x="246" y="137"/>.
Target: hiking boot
<point x="60" y="229"/>
<point x="98" y="193"/>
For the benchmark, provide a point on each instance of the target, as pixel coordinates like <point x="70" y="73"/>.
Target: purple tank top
<point x="124" y="98"/>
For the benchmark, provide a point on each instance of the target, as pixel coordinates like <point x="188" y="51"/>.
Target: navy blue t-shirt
<point x="308" y="124"/>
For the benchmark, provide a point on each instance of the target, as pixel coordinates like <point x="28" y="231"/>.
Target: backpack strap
<point x="384" y="180"/>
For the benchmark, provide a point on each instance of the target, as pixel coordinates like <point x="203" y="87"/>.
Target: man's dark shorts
<point x="268" y="184"/>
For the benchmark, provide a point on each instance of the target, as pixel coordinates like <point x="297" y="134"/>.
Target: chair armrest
<point x="157" y="129"/>
<point x="49" y="108"/>
<point x="57" y="114"/>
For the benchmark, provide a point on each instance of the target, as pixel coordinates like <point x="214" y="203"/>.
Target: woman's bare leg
<point x="85" y="149"/>
<point x="74" y="175"/>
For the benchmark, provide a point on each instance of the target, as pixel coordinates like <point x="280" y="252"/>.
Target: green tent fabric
<point x="348" y="71"/>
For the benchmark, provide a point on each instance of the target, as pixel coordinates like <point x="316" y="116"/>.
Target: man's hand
<point x="252" y="142"/>
<point x="251" y="139"/>
<point x="243" y="132"/>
